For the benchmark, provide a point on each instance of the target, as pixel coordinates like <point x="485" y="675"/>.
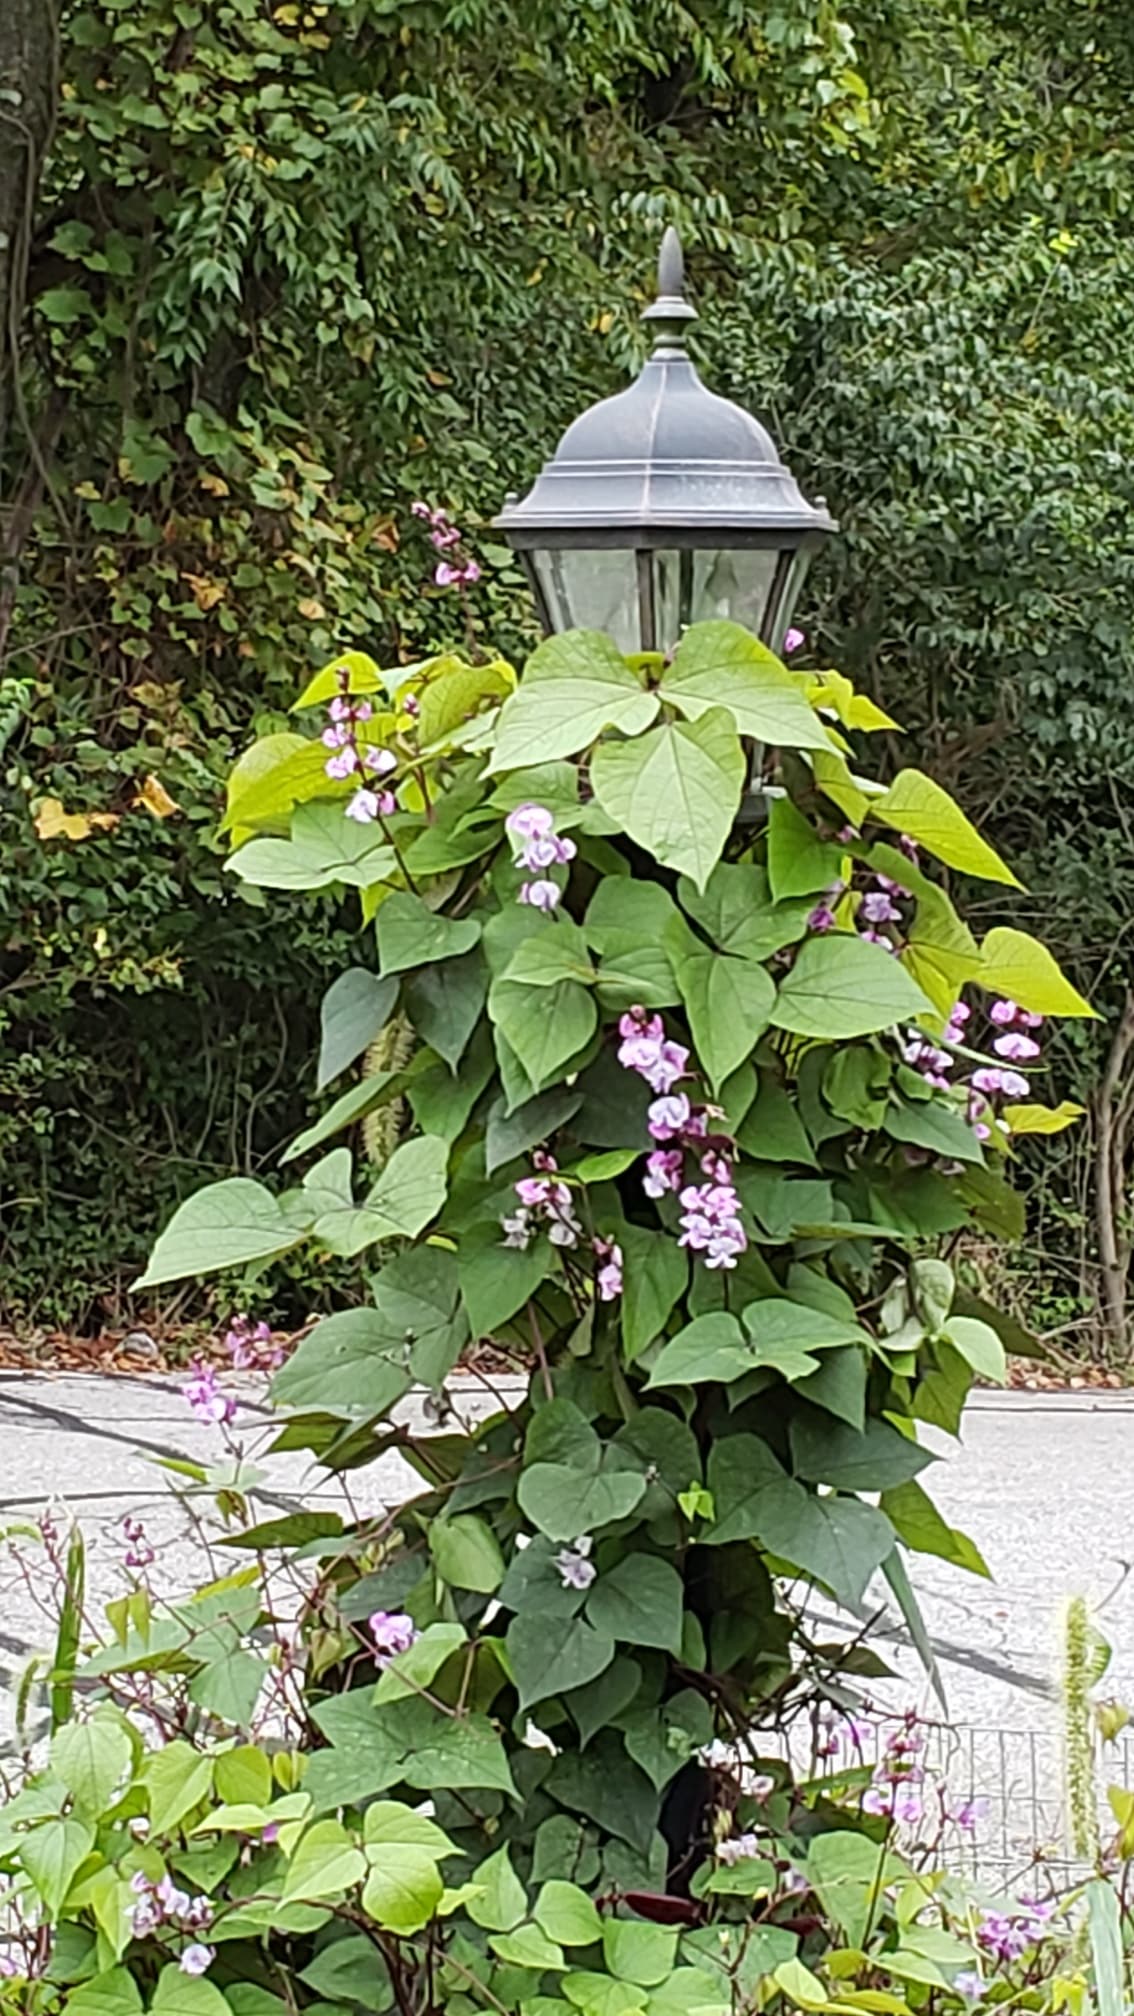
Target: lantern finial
<point x="671" y="311"/>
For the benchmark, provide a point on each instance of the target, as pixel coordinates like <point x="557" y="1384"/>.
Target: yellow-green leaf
<point x="914" y="804"/>
<point x="1015" y="964"/>
<point x="362" y="676"/>
<point x="855" y="710"/>
<point x="1043" y="1119"/>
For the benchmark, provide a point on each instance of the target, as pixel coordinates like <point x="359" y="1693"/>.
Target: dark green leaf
<point x="639" y="1602"/>
<point x="512" y="1134"/>
<point x="444" y="1001"/>
<point x="356" y="1007"/>
<point x="874" y="1460"/>
<point x="412" y="935"/>
<point x="551" y="1654"/>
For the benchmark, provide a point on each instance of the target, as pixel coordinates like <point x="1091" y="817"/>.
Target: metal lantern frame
<point x="665" y="505"/>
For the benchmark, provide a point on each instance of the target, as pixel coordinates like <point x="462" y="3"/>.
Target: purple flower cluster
<point x="391" y="1632"/>
<point x="537" y="846"/>
<point x="896" y="1788"/>
<point x="460" y="570"/>
<point x="353" y="758"/>
<point x="162" y="1903"/>
<point x="933" y="1063"/>
<point x="139" y="1553"/>
<point x="739" y="1848"/>
<point x="710" y="1211"/>
<point x="252" y="1347"/>
<point x="573" y="1564"/>
<point x="1005" y="1935"/>
<point x="205" y="1397"/>
<point x="546" y="1201"/>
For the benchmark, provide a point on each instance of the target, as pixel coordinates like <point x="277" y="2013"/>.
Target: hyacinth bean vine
<point x="696" y="1076"/>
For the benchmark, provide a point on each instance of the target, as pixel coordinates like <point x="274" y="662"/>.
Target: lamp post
<point x="665" y="505"/>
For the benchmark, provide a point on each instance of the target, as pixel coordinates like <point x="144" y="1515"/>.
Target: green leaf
<point x="607" y="1788"/>
<point x="737" y="911"/>
<point x="243" y="1774"/>
<point x="545" y="1026"/>
<point x="455" y="691"/>
<point x="839" y="1385"/>
<point x="403" y="1889"/>
<point x="799" y="862"/>
<point x="409" y="1192"/>
<point x="894" y="1569"/>
<point x="444" y="1002"/>
<point x="855" y="1084"/>
<point x="178" y="1778"/>
<point x="979" y="1346"/>
<point x="721" y="664"/>
<point x="92" y="1759"/>
<point x="356" y="1007"/>
<point x="410" y="934"/>
<point x="841" y="986"/>
<point x="510" y="1134"/>
<point x="350" y="1970"/>
<point x="566" y="1501"/>
<point x="635" y="927"/>
<point x="405" y="1740"/>
<point x="772" y="1130"/>
<point x="467" y="1553"/>
<point x="325" y="848"/>
<point x="227" y="1224"/>
<point x="838" y="1541"/>
<point x="324" y="1864"/>
<point x="637" y="1952"/>
<point x="355" y="668"/>
<point x="933" y="1125"/>
<point x="655" y="1275"/>
<point x="179" y="1994"/>
<point x="1104" y="1917"/>
<point x="849" y="1873"/>
<point x="739" y="1473"/>
<point x="665" y="1738"/>
<point x="711" y="1347"/>
<point x="558" y="952"/>
<point x="599" y="1995"/>
<point x="115" y="1993"/>
<point x="503" y="1901"/>
<point x="919" y="1525"/>
<point x="353" y="1363"/>
<point x="675" y="791"/>
<point x="566" y="1914"/>
<point x="349" y="1107"/>
<point x="52" y="1853"/>
<point x="573" y="687"/>
<point x="775" y="1324"/>
<point x="916" y="806"/>
<point x="874" y="1460"/>
<point x="527" y="1947"/>
<point x="729" y="1003"/>
<point x="418" y="1666"/>
<point x="497" y="1281"/>
<point x="639" y="1602"/>
<point x="1018" y="966"/>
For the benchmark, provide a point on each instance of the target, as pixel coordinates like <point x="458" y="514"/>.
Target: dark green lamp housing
<point x="665" y="506"/>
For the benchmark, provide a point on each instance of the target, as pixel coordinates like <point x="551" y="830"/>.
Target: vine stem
<point x="541" y="1354"/>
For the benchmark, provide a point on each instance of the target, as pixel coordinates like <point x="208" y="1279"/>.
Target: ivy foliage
<point x="293" y="267"/>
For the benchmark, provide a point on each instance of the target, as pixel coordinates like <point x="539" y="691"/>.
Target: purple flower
<point x="541" y="895"/>
<point x="443" y="536"/>
<point x="822" y="918"/>
<point x="1003" y="1013"/>
<point x="668" y="1116"/>
<point x="271" y="1834"/>
<point x="420" y="508"/>
<point x="1017" y="1047"/>
<point x="989" y="1078"/>
<point x="205" y="1397"/>
<point x="792" y="640"/>
<point x="196" y="1960"/>
<point x="446" y="575"/>
<point x="609" y="1279"/>
<point x="970" y="1985"/>
<point x="663" y="1171"/>
<point x="391" y="1632"/>
<point x="878" y="938"/>
<point x="668" y="1068"/>
<point x="970" y="1813"/>
<point x="530" y="822"/>
<point x="576" y="1570"/>
<point x="365" y="806"/>
<point x="518" y="1231"/>
<point x="336" y="737"/>
<point x="144" y="1918"/>
<point x="877" y="907"/>
<point x="710" y="1223"/>
<point x="343" y="765"/>
<point x="740" y="1848"/>
<point x="380" y="761"/>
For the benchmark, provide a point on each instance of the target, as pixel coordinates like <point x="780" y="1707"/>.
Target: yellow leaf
<point x="156" y="799"/>
<point x="836" y="781"/>
<point x="206" y="593"/>
<point x="1043" y="1119"/>
<point x="153" y="693"/>
<point x="362" y="676"/>
<point x="855" y="710"/>
<point x="52" y="823"/>
<point x="215" y="485"/>
<point x="88" y="490"/>
<point x="1015" y="964"/>
<point x="314" y="611"/>
<point x="914" y="804"/>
